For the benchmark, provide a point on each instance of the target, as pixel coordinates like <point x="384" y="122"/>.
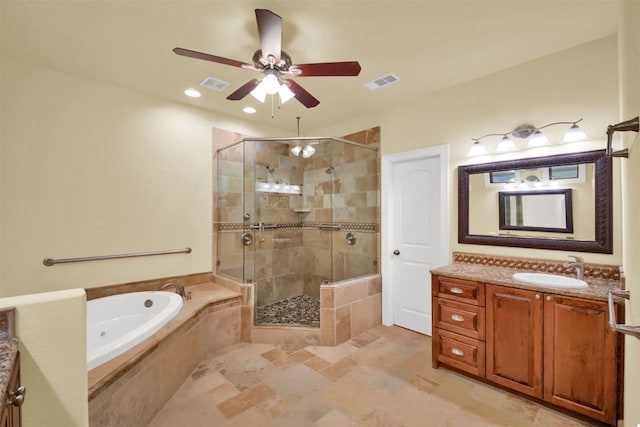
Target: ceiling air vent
<point x="383" y="81"/>
<point x="213" y="83"/>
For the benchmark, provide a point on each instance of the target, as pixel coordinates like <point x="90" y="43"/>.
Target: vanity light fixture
<point x="506" y="145"/>
<point x="534" y="135"/>
<point x="477" y="149"/>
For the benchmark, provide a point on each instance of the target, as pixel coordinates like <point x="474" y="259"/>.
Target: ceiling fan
<point x="274" y="62"/>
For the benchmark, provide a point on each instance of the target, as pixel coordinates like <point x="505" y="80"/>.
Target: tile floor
<point x="382" y="377"/>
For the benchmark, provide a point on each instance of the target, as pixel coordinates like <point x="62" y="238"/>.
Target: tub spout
<point x="179" y="289"/>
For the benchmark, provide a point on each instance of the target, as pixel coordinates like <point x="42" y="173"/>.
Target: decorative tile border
<point x="344" y="226"/>
<point x="595" y="271"/>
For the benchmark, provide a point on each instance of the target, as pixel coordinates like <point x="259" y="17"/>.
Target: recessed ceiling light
<point x="249" y="110"/>
<point x="192" y="93"/>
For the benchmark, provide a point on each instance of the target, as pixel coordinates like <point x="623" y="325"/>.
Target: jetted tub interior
<point x="289" y="223"/>
<point x="117" y="323"/>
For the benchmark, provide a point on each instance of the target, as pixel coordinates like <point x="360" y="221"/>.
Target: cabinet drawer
<point x="466" y="291"/>
<point x="460" y="352"/>
<point x="460" y="318"/>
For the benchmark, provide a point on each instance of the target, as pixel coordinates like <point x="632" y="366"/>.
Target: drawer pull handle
<point x="457" y="318"/>
<point x="456" y="291"/>
<point x="16" y="398"/>
<point x="457" y="352"/>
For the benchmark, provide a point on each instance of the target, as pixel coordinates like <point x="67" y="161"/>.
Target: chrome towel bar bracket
<point x="620" y="327"/>
<point x="50" y="261"/>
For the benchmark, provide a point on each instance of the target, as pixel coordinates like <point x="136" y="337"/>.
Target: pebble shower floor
<point x="298" y="310"/>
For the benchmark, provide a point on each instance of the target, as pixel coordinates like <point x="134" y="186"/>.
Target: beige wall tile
<point x="343" y="324"/>
<point x="348" y="293"/>
<point x="328" y="326"/>
<point x="327" y="297"/>
<point x="366" y="314"/>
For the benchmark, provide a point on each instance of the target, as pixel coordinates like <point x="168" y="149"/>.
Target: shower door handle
<point x="396" y="252"/>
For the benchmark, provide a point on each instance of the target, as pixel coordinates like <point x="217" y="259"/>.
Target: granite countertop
<point x="8" y="353"/>
<point x="597" y="290"/>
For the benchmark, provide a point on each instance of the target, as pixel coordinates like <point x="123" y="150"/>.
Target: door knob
<point x="396" y="252"/>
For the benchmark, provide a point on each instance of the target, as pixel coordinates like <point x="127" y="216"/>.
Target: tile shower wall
<point x="297" y="257"/>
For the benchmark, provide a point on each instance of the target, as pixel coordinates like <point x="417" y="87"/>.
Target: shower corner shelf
<point x="303" y="210"/>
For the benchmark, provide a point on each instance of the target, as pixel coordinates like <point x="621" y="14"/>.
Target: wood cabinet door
<point x="514" y="339"/>
<point x="580" y="357"/>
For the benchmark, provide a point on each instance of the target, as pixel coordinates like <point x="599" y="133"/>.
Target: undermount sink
<point x="550" y="280"/>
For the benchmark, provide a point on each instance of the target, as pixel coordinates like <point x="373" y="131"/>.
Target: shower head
<point x="329" y="170"/>
<point x="270" y="168"/>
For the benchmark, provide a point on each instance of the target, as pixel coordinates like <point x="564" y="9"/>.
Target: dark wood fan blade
<point x="212" y="58"/>
<point x="302" y="95"/>
<point x="351" y="68"/>
<point x="270" y="31"/>
<point x="244" y="90"/>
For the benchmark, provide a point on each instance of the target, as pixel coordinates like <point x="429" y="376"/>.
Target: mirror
<point x="543" y="210"/>
<point x="584" y="179"/>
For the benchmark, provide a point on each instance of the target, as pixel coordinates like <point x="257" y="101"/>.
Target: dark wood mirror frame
<point x="603" y="242"/>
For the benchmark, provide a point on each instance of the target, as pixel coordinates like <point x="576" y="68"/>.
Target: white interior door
<point x="418" y="234"/>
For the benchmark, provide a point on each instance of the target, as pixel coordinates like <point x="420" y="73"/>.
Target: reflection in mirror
<point x="585" y="176"/>
<point x="546" y="210"/>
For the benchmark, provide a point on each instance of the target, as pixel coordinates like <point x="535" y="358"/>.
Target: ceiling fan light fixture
<point x="270" y="84"/>
<point x="259" y="93"/>
<point x="285" y="93"/>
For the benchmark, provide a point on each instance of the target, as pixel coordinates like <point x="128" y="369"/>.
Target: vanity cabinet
<point x="514" y="339"/>
<point x="555" y="348"/>
<point x="10" y="411"/>
<point x="580" y="358"/>
<point x="458" y="324"/>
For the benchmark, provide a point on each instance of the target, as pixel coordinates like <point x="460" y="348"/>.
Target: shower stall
<point x="293" y="214"/>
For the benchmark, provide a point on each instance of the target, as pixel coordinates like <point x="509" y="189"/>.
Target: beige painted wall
<point x="53" y="357"/>
<point x="630" y="107"/>
<point x="93" y="169"/>
<point x="581" y="82"/>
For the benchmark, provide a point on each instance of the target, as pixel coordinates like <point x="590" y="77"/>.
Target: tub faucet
<point x="578" y="265"/>
<point x="179" y="289"/>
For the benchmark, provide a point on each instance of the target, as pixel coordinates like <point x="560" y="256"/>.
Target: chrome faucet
<point x="179" y="289"/>
<point x="578" y="265"/>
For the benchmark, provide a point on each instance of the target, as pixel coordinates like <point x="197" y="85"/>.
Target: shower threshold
<point x="300" y="310"/>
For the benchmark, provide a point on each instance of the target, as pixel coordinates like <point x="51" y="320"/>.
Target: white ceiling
<point x="430" y="45"/>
